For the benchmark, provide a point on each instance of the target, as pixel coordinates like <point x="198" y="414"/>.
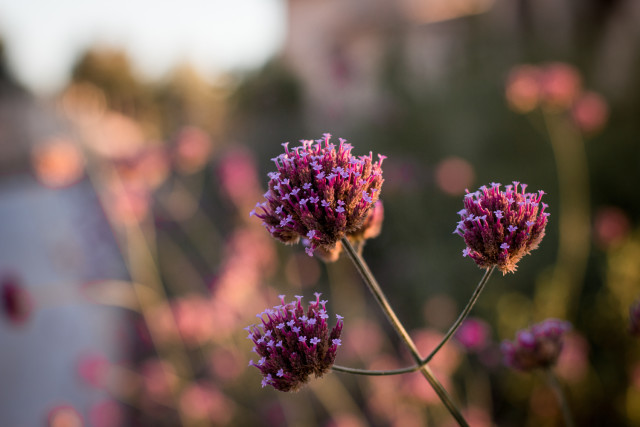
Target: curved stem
<point x="463" y="314"/>
<point x="375" y="289"/>
<point x="376" y="373"/>
<point x="564" y="406"/>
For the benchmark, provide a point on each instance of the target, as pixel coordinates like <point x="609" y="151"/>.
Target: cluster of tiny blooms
<point x="634" y="319"/>
<point x="320" y="192"/>
<point x="500" y="227"/>
<point x="371" y="228"/>
<point x="293" y="343"/>
<point x="536" y="347"/>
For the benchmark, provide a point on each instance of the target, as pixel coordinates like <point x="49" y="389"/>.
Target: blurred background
<point x="135" y="138"/>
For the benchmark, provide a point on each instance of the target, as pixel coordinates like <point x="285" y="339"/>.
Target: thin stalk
<point x="376" y="373"/>
<point x="564" y="406"/>
<point x="375" y="289"/>
<point x="464" y="314"/>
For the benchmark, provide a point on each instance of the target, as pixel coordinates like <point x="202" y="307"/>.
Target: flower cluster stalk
<point x="375" y="289"/>
<point x="452" y="330"/>
<point x="562" y="401"/>
<point x="463" y="315"/>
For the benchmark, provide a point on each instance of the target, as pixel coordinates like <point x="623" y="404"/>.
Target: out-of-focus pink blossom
<point x="590" y="112"/>
<point x="523" y="88"/>
<point x="473" y="334"/>
<point x="536" y="347"/>
<point x="194" y="319"/>
<point x="363" y="339"/>
<point x="127" y="205"/>
<point x="115" y="136"/>
<point x="93" y="368"/>
<point x="443" y="364"/>
<point x="346" y="420"/>
<point x="192" y="150"/>
<point x="611" y="226"/>
<point x="57" y="162"/>
<point x="454" y="175"/>
<point x="107" y="413"/>
<point x="238" y="178"/>
<point x="560" y="85"/>
<point x="17" y="303"/>
<point x="203" y="402"/>
<point x="226" y="363"/>
<point x="64" y="416"/>
<point x="383" y="400"/>
<point x="573" y="363"/>
<point x="147" y="170"/>
<point x="159" y="379"/>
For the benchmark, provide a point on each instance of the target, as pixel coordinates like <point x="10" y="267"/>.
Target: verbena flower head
<point x="294" y="343"/>
<point x="500" y="227"/>
<point x="319" y="192"/>
<point x="536" y="347"/>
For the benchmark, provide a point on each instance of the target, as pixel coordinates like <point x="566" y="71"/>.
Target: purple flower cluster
<point x="319" y="192"/>
<point x="536" y="347"/>
<point x="293" y="343"/>
<point x="500" y="227"/>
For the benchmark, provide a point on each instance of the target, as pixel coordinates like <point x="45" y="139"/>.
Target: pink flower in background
<point x="93" y="369"/>
<point x="443" y="364"/>
<point x="146" y="170"/>
<point x="159" y="380"/>
<point x="590" y="112"/>
<point x="523" y="88"/>
<point x="17" y="302"/>
<point x="611" y="226"/>
<point x="64" y="416"/>
<point x="293" y="343"/>
<point x="57" y="162"/>
<point x="473" y="334"/>
<point x="560" y="85"/>
<point x="202" y="402"/>
<point x="321" y="193"/>
<point x="499" y="227"/>
<point x="573" y="362"/>
<point x="107" y="413"/>
<point x="536" y="347"/>
<point x="238" y="178"/>
<point x="194" y="318"/>
<point x="454" y="175"/>
<point x="192" y="150"/>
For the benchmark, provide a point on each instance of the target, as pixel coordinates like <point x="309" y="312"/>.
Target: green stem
<point x="464" y="314"/>
<point x="375" y="373"/>
<point x="375" y="289"/>
<point x="564" y="406"/>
